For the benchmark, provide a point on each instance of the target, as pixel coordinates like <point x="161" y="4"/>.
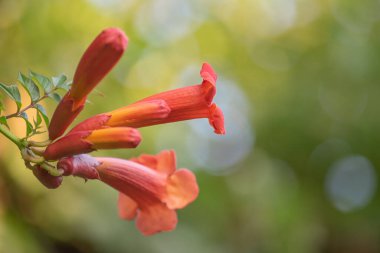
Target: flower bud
<point x="49" y="181"/>
<point x="99" y="58"/>
<point x="88" y="141"/>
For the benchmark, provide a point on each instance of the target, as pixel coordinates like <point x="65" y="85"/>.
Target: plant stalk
<point x="11" y="136"/>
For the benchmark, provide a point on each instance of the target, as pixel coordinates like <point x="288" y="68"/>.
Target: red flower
<point x="87" y="141"/>
<point x="150" y="187"/>
<point x="99" y="58"/>
<point x="49" y="181"/>
<point x="175" y="105"/>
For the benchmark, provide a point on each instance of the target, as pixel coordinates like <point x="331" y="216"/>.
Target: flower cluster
<point x="150" y="186"/>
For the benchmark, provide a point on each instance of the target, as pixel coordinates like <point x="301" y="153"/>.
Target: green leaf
<point x="42" y="111"/>
<point x="60" y="82"/>
<point x="29" y="86"/>
<point x="29" y="126"/>
<point x="38" y="121"/>
<point x="44" y="82"/>
<point x="3" y="121"/>
<point x="56" y="97"/>
<point x="13" y="92"/>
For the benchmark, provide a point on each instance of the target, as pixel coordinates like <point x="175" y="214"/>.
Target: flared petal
<point x="181" y="185"/>
<point x="181" y="189"/>
<point x="216" y="119"/>
<point x="156" y="217"/>
<point x="164" y="162"/>
<point x="127" y="207"/>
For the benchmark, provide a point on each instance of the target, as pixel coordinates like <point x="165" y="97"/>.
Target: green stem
<point x="11" y="136"/>
<point x="32" y="104"/>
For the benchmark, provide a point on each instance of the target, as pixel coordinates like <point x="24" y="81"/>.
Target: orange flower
<point x="175" y="105"/>
<point x="99" y="58"/>
<point x="150" y="188"/>
<point x="88" y="141"/>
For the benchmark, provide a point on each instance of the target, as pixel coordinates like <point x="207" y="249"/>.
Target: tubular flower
<point x="175" y="105"/>
<point x="99" y="58"/>
<point x="150" y="188"/>
<point x="88" y="141"/>
<point x="49" y="181"/>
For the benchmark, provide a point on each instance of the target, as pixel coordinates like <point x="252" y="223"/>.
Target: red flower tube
<point x="99" y="58"/>
<point x="175" y="105"/>
<point x="88" y="141"/>
<point x="150" y="187"/>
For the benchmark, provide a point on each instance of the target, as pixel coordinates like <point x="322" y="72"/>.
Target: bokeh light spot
<point x="351" y="183"/>
<point x="162" y="21"/>
<point x="343" y="105"/>
<point x="356" y="16"/>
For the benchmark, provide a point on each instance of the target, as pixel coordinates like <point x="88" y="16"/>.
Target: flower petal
<point x="63" y="116"/>
<point x="208" y="74"/>
<point x="49" y="181"/>
<point x="86" y="141"/>
<point x="96" y="122"/>
<point x="180" y="104"/>
<point x="209" y="82"/>
<point x="156" y="217"/>
<point x="128" y="116"/>
<point x="216" y="119"/>
<point x="127" y="207"/>
<point x="115" y="137"/>
<point x="151" y="194"/>
<point x="164" y="162"/>
<point x="100" y="57"/>
<point x="182" y="189"/>
<point x="137" y="113"/>
<point x="83" y="166"/>
<point x="68" y="145"/>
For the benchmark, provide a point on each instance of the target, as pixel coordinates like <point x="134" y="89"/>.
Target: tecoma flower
<point x="99" y="58"/>
<point x="88" y="141"/>
<point x="49" y="181"/>
<point x="150" y="188"/>
<point x="175" y="105"/>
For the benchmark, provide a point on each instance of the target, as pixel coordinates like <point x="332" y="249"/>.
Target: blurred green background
<point x="299" y="86"/>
